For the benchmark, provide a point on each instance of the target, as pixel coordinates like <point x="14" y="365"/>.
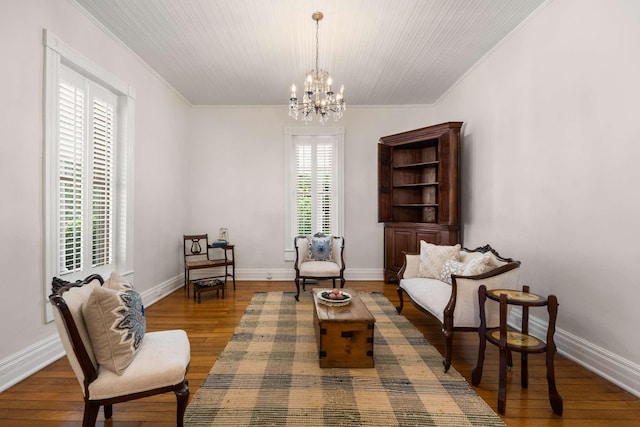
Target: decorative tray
<point x="324" y="298"/>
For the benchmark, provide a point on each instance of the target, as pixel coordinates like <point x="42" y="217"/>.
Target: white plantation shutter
<point x="315" y="185"/>
<point x="304" y="203"/>
<point x="324" y="190"/>
<point x="86" y="132"/>
<point x="71" y="125"/>
<point x="103" y="174"/>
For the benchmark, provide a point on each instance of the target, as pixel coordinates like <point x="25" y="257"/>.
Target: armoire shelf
<point x="416" y="165"/>
<point x="418" y="190"/>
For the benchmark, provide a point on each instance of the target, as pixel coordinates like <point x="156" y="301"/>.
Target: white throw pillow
<point x="451" y="267"/>
<point x="479" y="265"/>
<point x="432" y="257"/>
<point x="117" y="282"/>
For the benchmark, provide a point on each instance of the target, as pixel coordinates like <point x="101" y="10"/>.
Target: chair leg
<point x="304" y="284"/>
<point x="91" y="410"/>
<point x="448" y="349"/>
<point x="187" y="281"/>
<point x="108" y="411"/>
<point x="342" y="282"/>
<point x="447" y="332"/>
<point x="297" y="289"/>
<point x="401" y="298"/>
<point x="182" y="395"/>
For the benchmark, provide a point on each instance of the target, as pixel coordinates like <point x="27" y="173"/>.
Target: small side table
<point x="226" y="261"/>
<point x="508" y="340"/>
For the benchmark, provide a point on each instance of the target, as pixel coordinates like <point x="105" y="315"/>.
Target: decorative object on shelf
<point x="318" y="97"/>
<point x="223" y="234"/>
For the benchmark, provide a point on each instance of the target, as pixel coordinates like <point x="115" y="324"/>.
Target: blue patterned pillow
<point x="320" y="249"/>
<point x="116" y="326"/>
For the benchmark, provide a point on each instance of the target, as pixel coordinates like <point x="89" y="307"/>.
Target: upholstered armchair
<point x="319" y="257"/>
<point x="102" y="328"/>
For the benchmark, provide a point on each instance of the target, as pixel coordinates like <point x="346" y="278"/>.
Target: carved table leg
<point x="502" y="382"/>
<point x="554" y="397"/>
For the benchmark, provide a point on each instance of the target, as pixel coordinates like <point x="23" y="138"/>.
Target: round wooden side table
<point x="509" y="340"/>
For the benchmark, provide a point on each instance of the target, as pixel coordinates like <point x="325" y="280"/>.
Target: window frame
<point x="290" y="135"/>
<point x="58" y="55"/>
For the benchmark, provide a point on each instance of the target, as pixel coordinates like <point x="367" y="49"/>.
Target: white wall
<point x="549" y="149"/>
<point x="551" y="146"/>
<point x="237" y="181"/>
<point x="161" y="207"/>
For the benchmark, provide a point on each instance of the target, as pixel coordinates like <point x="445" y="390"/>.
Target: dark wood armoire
<point x="418" y="191"/>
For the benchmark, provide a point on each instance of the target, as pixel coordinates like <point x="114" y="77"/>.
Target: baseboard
<point x="621" y="372"/>
<point x="155" y="294"/>
<point x="24" y="363"/>
<point x="284" y="274"/>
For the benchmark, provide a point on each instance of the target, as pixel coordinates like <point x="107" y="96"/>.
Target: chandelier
<point x="318" y="97"/>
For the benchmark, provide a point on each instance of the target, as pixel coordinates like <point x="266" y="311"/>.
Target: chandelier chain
<point x="318" y="96"/>
<point x="317" y="45"/>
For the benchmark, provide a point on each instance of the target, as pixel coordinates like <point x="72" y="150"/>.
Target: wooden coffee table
<point x="344" y="334"/>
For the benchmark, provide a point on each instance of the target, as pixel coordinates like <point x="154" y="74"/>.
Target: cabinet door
<point x="428" y="236"/>
<point x="385" y="185"/>
<point x="396" y="240"/>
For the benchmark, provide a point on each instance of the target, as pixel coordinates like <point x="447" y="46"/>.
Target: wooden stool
<point x="205" y="285"/>
<point x="508" y="340"/>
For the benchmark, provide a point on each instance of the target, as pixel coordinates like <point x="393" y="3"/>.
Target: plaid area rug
<point x="268" y="375"/>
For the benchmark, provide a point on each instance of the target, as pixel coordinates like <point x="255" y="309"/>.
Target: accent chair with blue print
<point x="102" y="328"/>
<point x="319" y="257"/>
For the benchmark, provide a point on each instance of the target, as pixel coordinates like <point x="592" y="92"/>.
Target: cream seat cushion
<point x="166" y="352"/>
<point x="319" y="268"/>
<point x="433" y="295"/>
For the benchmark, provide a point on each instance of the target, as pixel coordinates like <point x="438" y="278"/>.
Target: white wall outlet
<point x="269" y="276"/>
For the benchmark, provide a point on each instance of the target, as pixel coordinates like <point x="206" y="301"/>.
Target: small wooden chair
<point x="196" y="256"/>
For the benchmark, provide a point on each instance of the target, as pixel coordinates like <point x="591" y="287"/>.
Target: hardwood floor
<point x="53" y="398"/>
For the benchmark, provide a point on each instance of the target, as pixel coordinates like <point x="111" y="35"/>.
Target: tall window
<point x="314" y="188"/>
<point x="88" y="168"/>
<point x="86" y="132"/>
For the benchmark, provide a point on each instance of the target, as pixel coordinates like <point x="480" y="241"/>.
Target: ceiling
<point x="249" y="52"/>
